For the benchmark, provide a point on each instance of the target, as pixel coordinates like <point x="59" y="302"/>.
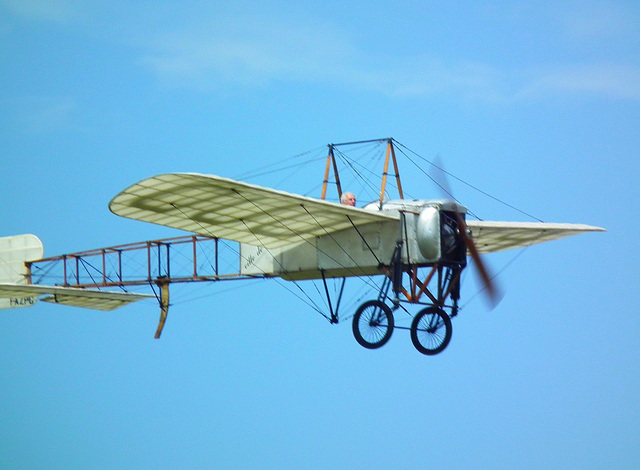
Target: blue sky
<point x="537" y="104"/>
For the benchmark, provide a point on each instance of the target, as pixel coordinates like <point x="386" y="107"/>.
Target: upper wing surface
<point x="224" y="208"/>
<point x="498" y="236"/>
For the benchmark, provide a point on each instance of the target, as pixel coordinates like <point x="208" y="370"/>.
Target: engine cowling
<point x="428" y="233"/>
<point x="438" y="236"/>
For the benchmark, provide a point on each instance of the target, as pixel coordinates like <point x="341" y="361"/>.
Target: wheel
<point x="431" y="330"/>
<point x="373" y="324"/>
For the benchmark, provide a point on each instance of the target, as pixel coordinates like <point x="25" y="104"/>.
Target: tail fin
<point x="14" y="252"/>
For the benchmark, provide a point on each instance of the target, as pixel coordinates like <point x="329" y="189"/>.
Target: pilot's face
<point x="349" y="199"/>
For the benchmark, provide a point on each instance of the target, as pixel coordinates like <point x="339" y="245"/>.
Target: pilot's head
<point x="348" y="199"/>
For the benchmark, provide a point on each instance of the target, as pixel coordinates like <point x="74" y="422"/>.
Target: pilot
<point x="348" y="199"/>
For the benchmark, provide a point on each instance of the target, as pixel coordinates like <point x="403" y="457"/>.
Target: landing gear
<point x="373" y="324"/>
<point x="431" y="330"/>
<point x="433" y="286"/>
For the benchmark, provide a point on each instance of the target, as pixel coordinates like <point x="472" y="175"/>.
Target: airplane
<point x="418" y="247"/>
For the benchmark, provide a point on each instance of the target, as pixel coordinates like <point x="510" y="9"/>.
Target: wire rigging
<point x="359" y="170"/>
<point x="269" y="168"/>
<point x="350" y="164"/>
<point x="461" y="181"/>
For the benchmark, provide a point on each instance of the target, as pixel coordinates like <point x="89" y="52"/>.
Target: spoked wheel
<point x="373" y="324"/>
<point x="431" y="330"/>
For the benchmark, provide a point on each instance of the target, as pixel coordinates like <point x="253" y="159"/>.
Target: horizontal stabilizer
<point x="85" y="298"/>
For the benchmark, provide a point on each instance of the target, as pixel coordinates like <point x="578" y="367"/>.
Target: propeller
<point x="494" y="294"/>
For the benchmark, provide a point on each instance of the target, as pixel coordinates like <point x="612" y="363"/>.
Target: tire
<point x="431" y="331"/>
<point x="373" y="324"/>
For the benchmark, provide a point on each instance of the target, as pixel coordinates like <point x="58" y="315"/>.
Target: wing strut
<point x="334" y="314"/>
<point x="164" y="306"/>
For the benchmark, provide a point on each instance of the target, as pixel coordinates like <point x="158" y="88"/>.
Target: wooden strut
<point x="417" y="288"/>
<point x="331" y="162"/>
<point x="164" y="306"/>
<point x="390" y="152"/>
<point x="415" y="283"/>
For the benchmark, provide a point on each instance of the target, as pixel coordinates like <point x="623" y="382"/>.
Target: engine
<point x="438" y="233"/>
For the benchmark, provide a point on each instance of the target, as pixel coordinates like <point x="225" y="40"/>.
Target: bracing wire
<point x="360" y="172"/>
<point x="461" y="181"/>
<point x="498" y="273"/>
<point x="310" y="302"/>
<point x="269" y="168"/>
<point x="367" y="185"/>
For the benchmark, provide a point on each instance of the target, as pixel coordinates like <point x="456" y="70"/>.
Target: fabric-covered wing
<point x="94" y="299"/>
<point x="498" y="236"/>
<point x="224" y="208"/>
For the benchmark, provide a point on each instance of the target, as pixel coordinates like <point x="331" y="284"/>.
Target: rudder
<point x="14" y="252"/>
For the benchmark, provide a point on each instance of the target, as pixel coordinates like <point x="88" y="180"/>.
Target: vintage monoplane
<point x="418" y="248"/>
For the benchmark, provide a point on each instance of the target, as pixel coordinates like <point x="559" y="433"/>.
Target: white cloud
<point x="604" y="80"/>
<point x="261" y="52"/>
<point x="256" y="51"/>
<point x="251" y="52"/>
<point x="210" y="62"/>
<point x="43" y="10"/>
<point x="599" y="20"/>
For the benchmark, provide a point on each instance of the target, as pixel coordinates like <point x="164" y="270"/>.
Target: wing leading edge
<point x="223" y="208"/>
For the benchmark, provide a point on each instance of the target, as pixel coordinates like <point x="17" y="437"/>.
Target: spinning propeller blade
<point x="493" y="293"/>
